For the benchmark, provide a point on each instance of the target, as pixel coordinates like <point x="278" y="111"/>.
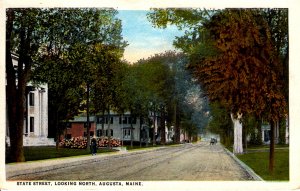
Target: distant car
<point x="213" y="141"/>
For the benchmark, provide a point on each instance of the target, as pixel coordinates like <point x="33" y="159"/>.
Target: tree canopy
<point x="236" y="55"/>
<point x="47" y="41"/>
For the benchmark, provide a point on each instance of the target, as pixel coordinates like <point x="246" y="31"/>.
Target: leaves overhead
<point x="232" y="54"/>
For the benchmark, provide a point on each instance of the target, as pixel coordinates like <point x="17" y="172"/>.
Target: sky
<point x="143" y="39"/>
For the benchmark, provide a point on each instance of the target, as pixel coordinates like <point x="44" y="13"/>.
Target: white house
<point x="266" y="130"/>
<point x="120" y="127"/>
<point x="35" y="131"/>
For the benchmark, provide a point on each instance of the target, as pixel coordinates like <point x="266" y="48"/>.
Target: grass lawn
<point x="48" y="152"/>
<point x="259" y="162"/>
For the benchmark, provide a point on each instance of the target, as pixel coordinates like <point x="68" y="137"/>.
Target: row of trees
<point x="162" y="85"/>
<point x="240" y="58"/>
<point x="78" y="52"/>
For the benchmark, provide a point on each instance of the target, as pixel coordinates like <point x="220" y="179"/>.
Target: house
<point x="266" y="130"/>
<point x="35" y="131"/>
<point x="78" y="127"/>
<point x="121" y="126"/>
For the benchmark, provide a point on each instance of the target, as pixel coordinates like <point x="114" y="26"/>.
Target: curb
<point x="244" y="166"/>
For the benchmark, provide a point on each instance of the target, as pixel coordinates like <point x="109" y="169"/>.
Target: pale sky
<point x="143" y="39"/>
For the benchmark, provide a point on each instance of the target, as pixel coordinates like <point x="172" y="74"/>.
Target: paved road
<point x="198" y="162"/>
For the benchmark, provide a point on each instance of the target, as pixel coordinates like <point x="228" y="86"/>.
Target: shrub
<point x="81" y="142"/>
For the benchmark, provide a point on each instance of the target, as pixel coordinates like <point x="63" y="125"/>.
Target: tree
<point x="220" y="123"/>
<point x="22" y="37"/>
<point x="173" y="92"/>
<point x="106" y="72"/>
<point x="66" y="92"/>
<point x="34" y="33"/>
<point x="244" y="60"/>
<point x="154" y="77"/>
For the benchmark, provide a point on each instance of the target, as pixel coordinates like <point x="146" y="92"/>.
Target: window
<point x="132" y="120"/>
<point x="124" y="120"/>
<point x="127" y="133"/>
<point x="127" y="120"/>
<point x="111" y="132"/>
<point x="111" y="120"/>
<point x="99" y="133"/>
<point x="31" y="124"/>
<point x="31" y="99"/>
<point x="267" y="135"/>
<point x="99" y="120"/>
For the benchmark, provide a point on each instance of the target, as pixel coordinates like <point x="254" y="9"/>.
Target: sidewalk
<point x="244" y="166"/>
<point x="15" y="169"/>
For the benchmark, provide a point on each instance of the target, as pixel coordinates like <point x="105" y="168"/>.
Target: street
<point x="197" y="162"/>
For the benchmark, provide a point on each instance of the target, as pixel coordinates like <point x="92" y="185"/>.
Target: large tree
<point x="106" y="72"/>
<point x="23" y="37"/>
<point x="244" y="73"/>
<point x="34" y="34"/>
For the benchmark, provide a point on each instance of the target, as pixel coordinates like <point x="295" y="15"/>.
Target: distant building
<point x="35" y="131"/>
<point x="266" y="133"/>
<point x="119" y="127"/>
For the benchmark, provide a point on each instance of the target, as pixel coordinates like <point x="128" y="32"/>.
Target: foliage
<point x="278" y="23"/>
<point x="220" y="123"/>
<point x="172" y="90"/>
<point x="23" y="34"/>
<point x="243" y="70"/>
<point x="231" y="56"/>
<point x="82" y="143"/>
<point x="252" y="124"/>
<point x="44" y="40"/>
<point x="65" y="67"/>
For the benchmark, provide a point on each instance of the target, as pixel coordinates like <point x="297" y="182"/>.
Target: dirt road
<point x="200" y="162"/>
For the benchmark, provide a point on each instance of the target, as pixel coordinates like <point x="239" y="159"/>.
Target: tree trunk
<point x="287" y="130"/>
<point x="245" y="139"/>
<point x="108" y="128"/>
<point x="238" y="134"/>
<point x="154" y="128"/>
<point x="259" y="131"/>
<point x="122" y="129"/>
<point x="88" y="117"/>
<point x="102" y="124"/>
<point x="140" y="131"/>
<point x="11" y="89"/>
<point x="282" y="131"/>
<point x="272" y="147"/>
<point x="163" y="128"/>
<point x="131" y="133"/>
<point x="16" y="86"/>
<point x="57" y="134"/>
<point x="177" y="126"/>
